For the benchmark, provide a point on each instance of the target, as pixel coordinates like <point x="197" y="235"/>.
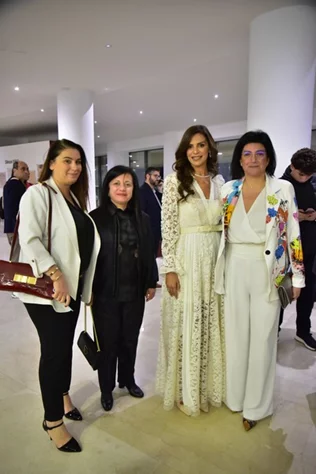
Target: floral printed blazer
<point x="283" y="242"/>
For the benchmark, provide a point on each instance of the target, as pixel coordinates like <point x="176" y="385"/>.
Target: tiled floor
<point x="139" y="437"/>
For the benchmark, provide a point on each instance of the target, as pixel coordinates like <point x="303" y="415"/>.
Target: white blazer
<point x="33" y="237"/>
<point x="283" y="245"/>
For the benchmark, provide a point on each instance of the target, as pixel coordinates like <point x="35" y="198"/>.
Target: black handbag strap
<point x="94" y="329"/>
<point x="50" y="214"/>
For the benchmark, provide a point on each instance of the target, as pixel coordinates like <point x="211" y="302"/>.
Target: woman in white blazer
<point x="260" y="239"/>
<point x="71" y="264"/>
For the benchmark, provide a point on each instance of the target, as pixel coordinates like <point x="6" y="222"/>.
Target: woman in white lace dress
<point x="190" y="370"/>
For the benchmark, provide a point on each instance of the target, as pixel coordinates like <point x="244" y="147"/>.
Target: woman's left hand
<point x="150" y="293"/>
<point x="296" y="292"/>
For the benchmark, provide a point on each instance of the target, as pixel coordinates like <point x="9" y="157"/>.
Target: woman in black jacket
<point x="126" y="275"/>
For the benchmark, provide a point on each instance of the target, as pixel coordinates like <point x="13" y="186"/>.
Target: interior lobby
<point x="125" y="78"/>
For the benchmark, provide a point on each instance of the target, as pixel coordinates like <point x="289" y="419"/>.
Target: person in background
<point x="190" y="371"/>
<point x="12" y="193"/>
<point x="150" y="200"/>
<point x="300" y="173"/>
<point x="70" y="265"/>
<point x="126" y="276"/>
<point x="261" y="236"/>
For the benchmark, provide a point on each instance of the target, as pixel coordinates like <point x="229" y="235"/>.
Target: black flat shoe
<point x="74" y="415"/>
<point x="107" y="401"/>
<point x="135" y="391"/>
<point x="72" y="446"/>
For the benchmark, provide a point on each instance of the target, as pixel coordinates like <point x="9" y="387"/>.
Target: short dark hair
<point x="150" y="169"/>
<point x="304" y="160"/>
<point x="255" y="136"/>
<point x="182" y="165"/>
<point x="15" y="166"/>
<point x="81" y="187"/>
<point x="134" y="203"/>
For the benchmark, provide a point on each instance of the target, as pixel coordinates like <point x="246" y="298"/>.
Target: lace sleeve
<point x="170" y="226"/>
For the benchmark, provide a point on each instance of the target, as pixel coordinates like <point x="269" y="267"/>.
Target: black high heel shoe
<point x="72" y="446"/>
<point x="74" y="415"/>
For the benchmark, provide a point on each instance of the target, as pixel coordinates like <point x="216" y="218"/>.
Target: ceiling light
<point x="137" y="166"/>
<point x="42" y="110"/>
<point x="134" y="162"/>
<point x="216" y="96"/>
<point x="16" y="88"/>
<point x="140" y="112"/>
<point x="98" y="136"/>
<point x="109" y="45"/>
<point x="220" y="153"/>
<point x="194" y="120"/>
<point x="95" y="121"/>
<point x="131" y="156"/>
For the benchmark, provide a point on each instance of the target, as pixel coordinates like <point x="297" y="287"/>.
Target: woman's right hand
<point x="173" y="284"/>
<point x="61" y="292"/>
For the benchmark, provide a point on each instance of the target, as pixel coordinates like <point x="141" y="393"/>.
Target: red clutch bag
<point x="19" y="277"/>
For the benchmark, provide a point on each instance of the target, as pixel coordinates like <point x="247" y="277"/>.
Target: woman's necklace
<point x="201" y="175"/>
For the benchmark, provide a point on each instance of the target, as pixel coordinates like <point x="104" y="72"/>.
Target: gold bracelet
<point x="56" y="278"/>
<point x="54" y="271"/>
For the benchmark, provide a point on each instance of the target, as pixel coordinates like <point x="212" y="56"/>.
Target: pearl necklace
<point x="201" y="175"/>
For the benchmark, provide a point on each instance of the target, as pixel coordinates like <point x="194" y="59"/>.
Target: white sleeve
<point x="32" y="229"/>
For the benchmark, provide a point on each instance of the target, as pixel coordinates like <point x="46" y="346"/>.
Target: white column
<point x="75" y="111"/>
<point x="282" y="78"/>
<point x="117" y="158"/>
<point x="171" y="141"/>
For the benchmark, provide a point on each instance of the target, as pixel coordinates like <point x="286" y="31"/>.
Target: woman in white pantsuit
<point x="261" y="237"/>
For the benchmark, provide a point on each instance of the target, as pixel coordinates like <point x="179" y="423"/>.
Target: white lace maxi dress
<point x="191" y="362"/>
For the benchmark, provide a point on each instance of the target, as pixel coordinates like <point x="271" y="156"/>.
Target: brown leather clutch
<point x="18" y="277"/>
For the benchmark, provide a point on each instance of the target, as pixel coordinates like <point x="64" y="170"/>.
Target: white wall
<point x="32" y="153"/>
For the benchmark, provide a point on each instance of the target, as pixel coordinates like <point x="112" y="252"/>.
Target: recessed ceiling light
<point x="95" y="121"/>
<point x="17" y="88"/>
<point x="137" y="166"/>
<point x="108" y="45"/>
<point x="141" y="112"/>
<point x="194" y="120"/>
<point x="220" y="153"/>
<point x="131" y="156"/>
<point x="42" y="110"/>
<point x="134" y="162"/>
<point x="98" y="136"/>
<point x="216" y="96"/>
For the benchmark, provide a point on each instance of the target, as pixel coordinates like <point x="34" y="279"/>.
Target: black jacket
<point x="151" y="207"/>
<point x="12" y="192"/>
<point x="106" y="282"/>
<point x="305" y="196"/>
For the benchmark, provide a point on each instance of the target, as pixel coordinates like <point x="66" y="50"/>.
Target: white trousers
<point x="251" y="327"/>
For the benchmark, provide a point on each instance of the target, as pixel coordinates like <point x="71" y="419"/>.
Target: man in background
<point x="300" y="174"/>
<point x="150" y="200"/>
<point x="12" y="192"/>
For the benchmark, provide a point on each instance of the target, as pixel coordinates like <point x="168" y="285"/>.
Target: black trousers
<point x="118" y="325"/>
<point x="56" y="332"/>
<point x="305" y="302"/>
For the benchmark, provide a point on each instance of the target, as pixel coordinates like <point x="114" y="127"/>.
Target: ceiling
<point x="167" y="58"/>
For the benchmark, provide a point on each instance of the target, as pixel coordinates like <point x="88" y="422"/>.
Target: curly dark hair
<point x="304" y="160"/>
<point x="183" y="167"/>
<point x="256" y="136"/>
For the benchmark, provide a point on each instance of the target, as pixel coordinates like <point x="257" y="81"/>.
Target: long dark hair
<point x="183" y="167"/>
<point x="256" y="136"/>
<point x="134" y="203"/>
<point x="81" y="187"/>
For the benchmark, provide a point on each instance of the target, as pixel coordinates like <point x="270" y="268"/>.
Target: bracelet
<point x="54" y="271"/>
<point x="57" y="277"/>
